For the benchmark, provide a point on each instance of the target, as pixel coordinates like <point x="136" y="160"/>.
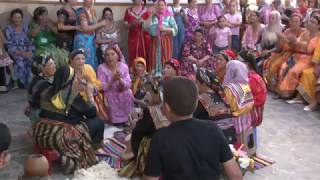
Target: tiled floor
<point x="288" y="135"/>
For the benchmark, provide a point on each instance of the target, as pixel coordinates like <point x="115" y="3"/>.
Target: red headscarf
<point x="175" y="64"/>
<point x="231" y="55"/>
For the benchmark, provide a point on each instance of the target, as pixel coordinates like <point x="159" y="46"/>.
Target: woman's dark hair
<point x="185" y="91"/>
<point x="220" y="17"/>
<point x="256" y="13"/>
<point x="38" y="62"/>
<point x="64" y="13"/>
<point x="145" y="1"/>
<point x="199" y="30"/>
<point x="105" y="10"/>
<point x="39" y="11"/>
<point x="16" y="11"/>
<point x="249" y="58"/>
<point x="315" y="4"/>
<point x="317" y="18"/>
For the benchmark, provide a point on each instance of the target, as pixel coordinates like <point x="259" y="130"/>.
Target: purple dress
<point x="193" y="22"/>
<point x="210" y="13"/>
<point x="118" y="100"/>
<point x="19" y="41"/>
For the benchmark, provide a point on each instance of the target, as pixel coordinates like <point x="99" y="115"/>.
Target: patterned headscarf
<point x="236" y="72"/>
<point x="229" y="54"/>
<point x="38" y="63"/>
<point x="175" y="64"/>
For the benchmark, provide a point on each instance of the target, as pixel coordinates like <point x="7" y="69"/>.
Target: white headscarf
<point x="269" y="34"/>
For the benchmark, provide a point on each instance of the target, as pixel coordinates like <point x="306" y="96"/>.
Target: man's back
<point x="188" y="149"/>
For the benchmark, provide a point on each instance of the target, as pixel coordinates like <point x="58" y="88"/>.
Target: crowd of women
<point x="70" y="98"/>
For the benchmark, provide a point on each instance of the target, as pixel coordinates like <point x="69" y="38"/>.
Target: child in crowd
<point x="222" y="36"/>
<point x="234" y="21"/>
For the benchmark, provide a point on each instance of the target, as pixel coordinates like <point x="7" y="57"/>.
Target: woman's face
<point x="176" y="1"/>
<point x="78" y="62"/>
<point x="72" y="2"/>
<point x="161" y="6"/>
<point x="295" y="22"/>
<point x="17" y="19"/>
<point x="87" y="3"/>
<point x="137" y="1"/>
<point x="193" y="2"/>
<point x="273" y="19"/>
<point x="49" y="69"/>
<point x="111" y="57"/>
<point x="222" y="22"/>
<point x="43" y="18"/>
<point x="312" y="24"/>
<point x="108" y="15"/>
<point x="140" y="68"/>
<point x="221" y="62"/>
<point x="169" y="71"/>
<point x="253" y="18"/>
<point x="83" y="20"/>
<point x="312" y="4"/>
<point x="198" y="37"/>
<point x="233" y="6"/>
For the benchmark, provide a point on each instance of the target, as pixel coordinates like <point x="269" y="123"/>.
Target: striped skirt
<point x="242" y="123"/>
<point x="160" y="52"/>
<point x="256" y="116"/>
<point x="135" y="167"/>
<point x="72" y="142"/>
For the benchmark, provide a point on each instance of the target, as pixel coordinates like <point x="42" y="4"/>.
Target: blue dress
<point x="86" y="40"/>
<point x="179" y="38"/>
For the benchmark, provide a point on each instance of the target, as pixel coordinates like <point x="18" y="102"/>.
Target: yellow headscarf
<point x="137" y="81"/>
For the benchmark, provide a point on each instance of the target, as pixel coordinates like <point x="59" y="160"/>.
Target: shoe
<point x="307" y="109"/>
<point x="294" y="101"/>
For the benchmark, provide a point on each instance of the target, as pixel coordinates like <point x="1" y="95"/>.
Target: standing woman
<point x="138" y="38"/>
<point x="239" y="96"/>
<point x="179" y="17"/>
<point x="19" y="46"/>
<point x="108" y="35"/>
<point x="69" y="7"/>
<point x="209" y="14"/>
<point x="116" y="83"/>
<point x="84" y="39"/>
<point x="162" y="28"/>
<point x="192" y="20"/>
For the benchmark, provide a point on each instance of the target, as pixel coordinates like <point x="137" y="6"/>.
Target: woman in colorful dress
<point x="43" y="69"/>
<point x="258" y="88"/>
<point x="6" y="67"/>
<point x="116" y="82"/>
<point x="239" y="96"/>
<point x="196" y="51"/>
<point x="20" y="47"/>
<point x="139" y="73"/>
<point x="85" y="38"/>
<point x="109" y="34"/>
<point x="252" y="34"/>
<point x="212" y="105"/>
<point x="61" y="126"/>
<point x="180" y="18"/>
<point x="284" y="51"/>
<point x="162" y="28"/>
<point x="192" y="19"/>
<point x="221" y="63"/>
<point x="304" y="48"/>
<point x="42" y="31"/>
<point x="138" y="38"/>
<point x="208" y="15"/>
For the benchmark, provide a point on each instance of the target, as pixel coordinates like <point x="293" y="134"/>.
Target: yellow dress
<point x="241" y="113"/>
<point x="91" y="77"/>
<point x="308" y="80"/>
<point x="303" y="62"/>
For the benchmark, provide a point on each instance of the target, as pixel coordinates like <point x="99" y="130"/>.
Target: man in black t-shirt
<point x="188" y="149"/>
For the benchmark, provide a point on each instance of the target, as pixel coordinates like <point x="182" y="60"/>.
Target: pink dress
<point x="210" y="13"/>
<point x="119" y="100"/>
<point x="250" y="38"/>
<point x="222" y="35"/>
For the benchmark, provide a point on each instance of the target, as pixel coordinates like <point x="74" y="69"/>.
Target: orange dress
<point x="302" y="61"/>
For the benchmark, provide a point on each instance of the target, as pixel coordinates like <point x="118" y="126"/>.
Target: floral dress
<point x="198" y="52"/>
<point x="193" y="22"/>
<point x="19" y="41"/>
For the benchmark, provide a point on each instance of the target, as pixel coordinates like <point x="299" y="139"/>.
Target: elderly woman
<point x="162" y="28"/>
<point x="62" y="126"/>
<point x="85" y="38"/>
<point x="171" y="69"/>
<point x="239" y="96"/>
<point x="19" y="47"/>
<point x="138" y="75"/>
<point x="212" y="105"/>
<point x="43" y="69"/>
<point x="108" y="35"/>
<point x="138" y="38"/>
<point x="196" y="51"/>
<point x="116" y="82"/>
